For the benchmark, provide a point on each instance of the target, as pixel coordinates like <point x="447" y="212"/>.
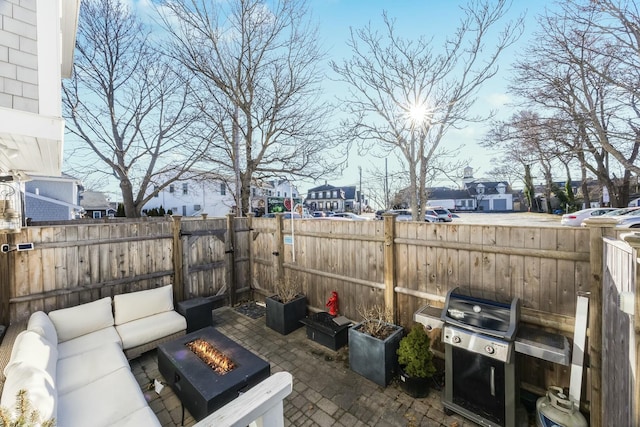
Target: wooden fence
<point x="402" y="266"/>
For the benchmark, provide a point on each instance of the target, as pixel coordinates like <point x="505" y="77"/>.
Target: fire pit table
<point x="205" y="386"/>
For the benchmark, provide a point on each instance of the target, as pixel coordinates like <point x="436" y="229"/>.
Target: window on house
<point x="155" y="188"/>
<point x="171" y="188"/>
<point x="320" y="205"/>
<point x="185" y="188"/>
<point x="334" y="194"/>
<point x="223" y="189"/>
<point x="313" y="195"/>
<point x="97" y="214"/>
<point x="184" y="211"/>
<point x="197" y="207"/>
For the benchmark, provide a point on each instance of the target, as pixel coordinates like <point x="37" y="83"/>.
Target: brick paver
<point x="325" y="391"/>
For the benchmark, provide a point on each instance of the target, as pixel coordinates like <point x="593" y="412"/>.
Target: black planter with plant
<point x="285" y="309"/>
<point x="372" y="346"/>
<point x="416" y="362"/>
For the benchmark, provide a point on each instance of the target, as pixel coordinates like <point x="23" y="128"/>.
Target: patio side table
<point x="198" y="312"/>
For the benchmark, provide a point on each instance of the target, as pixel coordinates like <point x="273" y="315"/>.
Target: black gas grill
<point x="479" y="332"/>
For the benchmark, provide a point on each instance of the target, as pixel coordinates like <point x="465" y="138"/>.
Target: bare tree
<point x="128" y="107"/>
<point x="404" y="95"/>
<point x="258" y="74"/>
<point x="583" y="70"/>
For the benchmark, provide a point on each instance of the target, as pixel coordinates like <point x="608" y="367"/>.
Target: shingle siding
<point x="18" y="55"/>
<point x="41" y="210"/>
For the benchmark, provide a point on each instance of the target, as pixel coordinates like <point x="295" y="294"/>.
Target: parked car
<point x="630" y="220"/>
<point x="349" y="215"/>
<point x="402" y="214"/>
<point x="319" y="214"/>
<point x="378" y="214"/>
<point x="575" y="219"/>
<point x="443" y="213"/>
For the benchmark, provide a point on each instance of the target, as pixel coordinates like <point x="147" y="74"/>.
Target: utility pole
<point x="386" y="185"/>
<point x="360" y="194"/>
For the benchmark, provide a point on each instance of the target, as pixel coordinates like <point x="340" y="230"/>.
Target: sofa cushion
<point x="31" y="350"/>
<point x="88" y="342"/>
<point x="101" y="402"/>
<point x="39" y="322"/>
<point x="136" y="305"/>
<point x="40" y="391"/>
<point x="143" y="331"/>
<point x="80" y="369"/>
<point x="82" y="319"/>
<point x="142" y="417"/>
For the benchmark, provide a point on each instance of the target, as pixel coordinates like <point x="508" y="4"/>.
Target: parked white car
<point x="349" y="215"/>
<point x="574" y="219"/>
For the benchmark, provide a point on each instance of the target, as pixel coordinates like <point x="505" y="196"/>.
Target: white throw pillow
<point x="136" y="305"/>
<point x="40" y="323"/>
<point x="82" y="319"/>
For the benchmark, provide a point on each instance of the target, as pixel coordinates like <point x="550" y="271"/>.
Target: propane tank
<point x="556" y="410"/>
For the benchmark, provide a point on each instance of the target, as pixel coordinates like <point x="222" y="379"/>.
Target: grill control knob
<point x="456" y="339"/>
<point x="489" y="349"/>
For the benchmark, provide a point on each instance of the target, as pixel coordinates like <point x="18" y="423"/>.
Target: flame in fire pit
<point x="210" y="355"/>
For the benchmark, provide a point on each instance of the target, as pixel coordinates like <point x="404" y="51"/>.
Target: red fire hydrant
<point x="333" y="304"/>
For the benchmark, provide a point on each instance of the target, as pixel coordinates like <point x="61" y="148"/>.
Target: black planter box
<point x="285" y="318"/>
<point x="373" y="358"/>
<point x="322" y="329"/>
<point x="414" y="386"/>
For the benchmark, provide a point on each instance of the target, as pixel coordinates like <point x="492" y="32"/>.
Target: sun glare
<point x="417" y="114"/>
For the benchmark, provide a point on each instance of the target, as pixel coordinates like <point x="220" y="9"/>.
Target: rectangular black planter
<point x="285" y="318"/>
<point x="373" y="358"/>
<point x="322" y="329"/>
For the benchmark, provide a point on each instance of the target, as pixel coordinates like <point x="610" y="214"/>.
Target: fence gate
<point x="618" y="338"/>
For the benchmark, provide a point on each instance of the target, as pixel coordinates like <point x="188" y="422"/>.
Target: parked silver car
<point x="443" y="214"/>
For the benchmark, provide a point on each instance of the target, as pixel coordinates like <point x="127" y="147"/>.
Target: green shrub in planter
<point x="416" y="362"/>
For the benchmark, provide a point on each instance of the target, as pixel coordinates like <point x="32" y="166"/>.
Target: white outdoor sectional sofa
<point x="74" y="364"/>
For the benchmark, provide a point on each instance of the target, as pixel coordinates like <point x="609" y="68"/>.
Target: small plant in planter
<point x="286" y="308"/>
<point x="24" y="414"/>
<point x="416" y="362"/>
<point x="373" y="344"/>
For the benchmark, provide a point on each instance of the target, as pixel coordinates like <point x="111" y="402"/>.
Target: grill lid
<point x="482" y="312"/>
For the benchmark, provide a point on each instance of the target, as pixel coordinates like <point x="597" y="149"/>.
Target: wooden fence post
<point x="5" y="284"/>
<point x="389" y="264"/>
<point x="229" y="247"/>
<point x="633" y="239"/>
<point x="250" y="216"/>
<point x="279" y="252"/>
<point x="178" y="280"/>
<point x="599" y="228"/>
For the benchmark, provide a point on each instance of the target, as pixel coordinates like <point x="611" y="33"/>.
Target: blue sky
<point x="432" y="19"/>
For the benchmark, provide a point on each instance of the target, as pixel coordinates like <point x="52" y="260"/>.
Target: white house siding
<point x="19" y="55"/>
<point x="200" y="198"/>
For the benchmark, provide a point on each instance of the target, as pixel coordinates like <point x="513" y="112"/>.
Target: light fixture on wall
<point x="10" y="207"/>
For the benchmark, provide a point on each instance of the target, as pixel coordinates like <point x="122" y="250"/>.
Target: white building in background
<point x="215" y="197"/>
